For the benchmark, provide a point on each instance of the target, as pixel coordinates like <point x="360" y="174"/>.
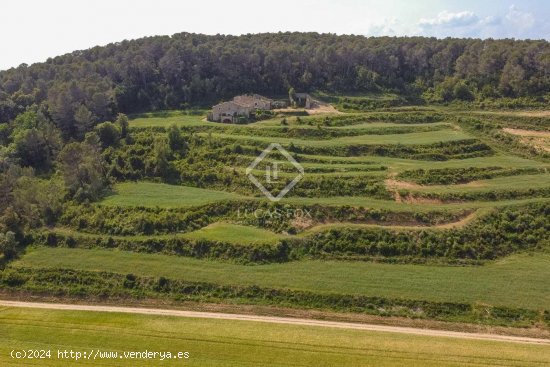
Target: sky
<point x="33" y="30"/>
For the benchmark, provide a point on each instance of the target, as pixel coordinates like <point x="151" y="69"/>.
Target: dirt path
<point x="393" y="184"/>
<point x="457" y="224"/>
<point x="460" y="223"/>
<point x="278" y="320"/>
<point x="522" y="132"/>
<point x="533" y="113"/>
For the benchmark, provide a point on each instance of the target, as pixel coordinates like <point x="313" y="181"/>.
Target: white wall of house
<point x="229" y="111"/>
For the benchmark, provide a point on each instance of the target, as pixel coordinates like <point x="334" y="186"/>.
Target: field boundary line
<point x="277" y="320"/>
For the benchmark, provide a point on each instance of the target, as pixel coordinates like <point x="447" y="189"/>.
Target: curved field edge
<point x="496" y="234"/>
<point x="236" y="233"/>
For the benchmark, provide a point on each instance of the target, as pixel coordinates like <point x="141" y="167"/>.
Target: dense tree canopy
<point x="83" y="88"/>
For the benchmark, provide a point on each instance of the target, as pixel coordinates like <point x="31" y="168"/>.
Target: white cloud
<point x="520" y="19"/>
<point x="511" y="23"/>
<point x="491" y="21"/>
<point x="386" y="27"/>
<point x="451" y="20"/>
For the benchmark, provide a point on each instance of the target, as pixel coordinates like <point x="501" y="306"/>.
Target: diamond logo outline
<point x="260" y="158"/>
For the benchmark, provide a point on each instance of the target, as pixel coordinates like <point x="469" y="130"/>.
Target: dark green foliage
<point x="122" y="123"/>
<point x="522" y="192"/>
<point x="84" y="170"/>
<point x="201" y="248"/>
<point x="8" y="245"/>
<point x="451" y="176"/>
<point x="319" y="133"/>
<point x="459" y="149"/>
<point x="401" y="117"/>
<point x="175" y="139"/>
<point x="494" y="235"/>
<point x="497" y="234"/>
<point x="109" y="134"/>
<point x="462" y="91"/>
<point x="146" y="221"/>
<point x="191" y="69"/>
<point x="136" y="221"/>
<point x="35" y="141"/>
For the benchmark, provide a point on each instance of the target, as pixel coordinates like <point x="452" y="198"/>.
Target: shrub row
<point x="493" y="132"/>
<point x="200" y="248"/>
<point x="494" y="235"/>
<point x="279" y="217"/>
<point x="319" y="133"/>
<point x="441" y="151"/>
<point x="451" y="176"/>
<point x="64" y="282"/>
<point x="411" y="117"/>
<point x="479" y="195"/>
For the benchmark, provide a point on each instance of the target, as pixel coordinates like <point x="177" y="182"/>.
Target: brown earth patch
<point x="523" y="132"/>
<point x="409" y="199"/>
<point x="460" y="223"/>
<point x="317" y="108"/>
<point x="534" y="113"/>
<point x="540" y="140"/>
<point x="396" y="225"/>
<point x="396" y="185"/>
<point x="302" y="222"/>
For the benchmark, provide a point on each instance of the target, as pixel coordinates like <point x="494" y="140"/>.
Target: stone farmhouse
<point x="304" y="100"/>
<point x="243" y="106"/>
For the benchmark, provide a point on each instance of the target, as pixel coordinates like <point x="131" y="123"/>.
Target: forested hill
<point x="166" y="72"/>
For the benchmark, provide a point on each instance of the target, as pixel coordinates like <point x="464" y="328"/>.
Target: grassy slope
<point x="492" y="185"/>
<point x="224" y="343"/>
<point x="399" y="164"/>
<point x="163" y="195"/>
<point x="218" y="231"/>
<point x="412" y="138"/>
<point x="234" y="233"/>
<point x="146" y="194"/>
<point x="167" y="118"/>
<point x="516" y="281"/>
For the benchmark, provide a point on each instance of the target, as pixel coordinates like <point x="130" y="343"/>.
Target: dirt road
<point x="277" y="320"/>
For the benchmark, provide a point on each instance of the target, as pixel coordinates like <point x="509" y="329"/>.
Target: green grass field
<point x="150" y="194"/>
<point x="167" y="118"/>
<point x="397" y="164"/>
<point x="227" y="343"/>
<point x="428" y="137"/>
<point x="519" y="280"/>
<point x="218" y="231"/>
<point x="147" y="194"/>
<point x="234" y="233"/>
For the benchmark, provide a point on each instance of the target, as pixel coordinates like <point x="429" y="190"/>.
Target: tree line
<point x="84" y="88"/>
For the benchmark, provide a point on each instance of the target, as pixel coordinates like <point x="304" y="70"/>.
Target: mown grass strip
<point x="517" y="281"/>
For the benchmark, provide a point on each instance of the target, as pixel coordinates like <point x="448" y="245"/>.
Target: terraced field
<point x="163" y="195"/>
<point x="434" y="214"/>
<point x="519" y="280"/>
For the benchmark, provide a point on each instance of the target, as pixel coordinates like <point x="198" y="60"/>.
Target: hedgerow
<point x="64" y="282"/>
